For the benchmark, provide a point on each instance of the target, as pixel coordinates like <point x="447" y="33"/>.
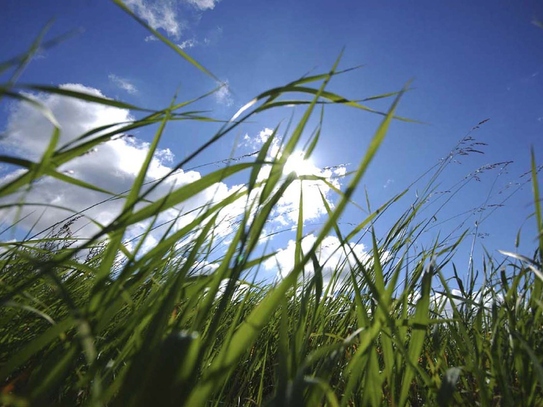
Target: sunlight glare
<point x="300" y="166"/>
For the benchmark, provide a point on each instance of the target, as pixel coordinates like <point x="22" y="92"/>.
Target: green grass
<point x="100" y="322"/>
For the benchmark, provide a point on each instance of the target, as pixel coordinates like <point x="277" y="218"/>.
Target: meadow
<point x="100" y="321"/>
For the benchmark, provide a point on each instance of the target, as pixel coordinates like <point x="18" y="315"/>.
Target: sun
<point x="299" y="165"/>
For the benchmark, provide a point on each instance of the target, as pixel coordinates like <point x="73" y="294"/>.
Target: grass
<point x="99" y="321"/>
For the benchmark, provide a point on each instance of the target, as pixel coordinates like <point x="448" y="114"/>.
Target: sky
<point x="469" y="62"/>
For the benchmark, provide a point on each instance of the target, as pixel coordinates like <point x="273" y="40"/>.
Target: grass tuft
<point x="104" y="320"/>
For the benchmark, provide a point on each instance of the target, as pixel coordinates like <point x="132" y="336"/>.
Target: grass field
<point x="101" y="321"/>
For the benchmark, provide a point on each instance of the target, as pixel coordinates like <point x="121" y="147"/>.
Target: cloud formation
<point x="331" y="254"/>
<point x="313" y="191"/>
<point x="223" y="96"/>
<point x="166" y="15"/>
<point x="203" y="4"/>
<point x="123" y="83"/>
<point x="210" y="38"/>
<point x="112" y="166"/>
<point x="159" y="14"/>
<point x="187" y="44"/>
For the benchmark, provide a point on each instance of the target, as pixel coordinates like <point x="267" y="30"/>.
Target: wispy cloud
<point x="159" y="14"/>
<point x="165" y="15"/>
<point x="190" y="43"/>
<point x="288" y="207"/>
<point x="211" y="38"/>
<point x="334" y="256"/>
<point x="123" y="83"/>
<point x="223" y="96"/>
<point x="203" y="4"/>
<point x="112" y="166"/>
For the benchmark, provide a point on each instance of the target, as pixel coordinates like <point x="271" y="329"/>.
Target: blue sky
<point x="469" y="61"/>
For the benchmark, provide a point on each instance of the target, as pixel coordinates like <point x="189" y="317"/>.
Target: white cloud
<point x="190" y="43"/>
<point x="240" y="290"/>
<point x="159" y="14"/>
<point x="203" y="4"/>
<point x="164" y="15"/>
<point x="287" y="210"/>
<point x="29" y="132"/>
<point x="259" y="139"/>
<point x="442" y="304"/>
<point x="123" y="83"/>
<point x="388" y="183"/>
<point x="223" y="96"/>
<point x="112" y="166"/>
<point x="211" y="38"/>
<point x="332" y="256"/>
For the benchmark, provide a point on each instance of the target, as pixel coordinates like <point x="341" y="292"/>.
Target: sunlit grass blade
<point x="166" y="41"/>
<point x="418" y="333"/>
<point x="183" y="297"/>
<point x="538" y="212"/>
